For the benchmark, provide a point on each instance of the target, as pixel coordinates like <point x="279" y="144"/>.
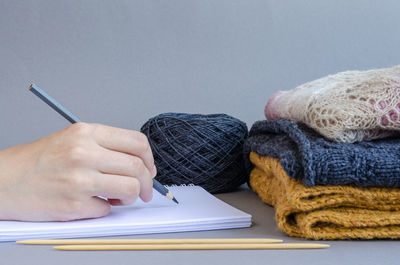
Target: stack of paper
<point x="197" y="210"/>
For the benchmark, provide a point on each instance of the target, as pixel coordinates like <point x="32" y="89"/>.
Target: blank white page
<point x="197" y="210"/>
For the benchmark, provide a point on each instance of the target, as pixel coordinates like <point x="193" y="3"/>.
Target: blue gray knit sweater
<point x="306" y="155"/>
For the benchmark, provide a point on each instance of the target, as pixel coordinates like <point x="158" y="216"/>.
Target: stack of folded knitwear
<point x="328" y="156"/>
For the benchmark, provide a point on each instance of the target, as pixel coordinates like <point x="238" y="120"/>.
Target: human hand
<point x="59" y="177"/>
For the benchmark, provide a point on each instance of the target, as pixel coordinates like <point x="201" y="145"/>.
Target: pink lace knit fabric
<point x="349" y="106"/>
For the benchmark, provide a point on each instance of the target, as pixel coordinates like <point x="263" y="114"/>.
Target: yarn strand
<point x="204" y="150"/>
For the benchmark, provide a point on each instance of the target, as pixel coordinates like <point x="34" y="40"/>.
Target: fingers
<point x="115" y="163"/>
<point x="122" y="188"/>
<point x="95" y="208"/>
<point x="123" y="155"/>
<point x="92" y="207"/>
<point x="126" y="141"/>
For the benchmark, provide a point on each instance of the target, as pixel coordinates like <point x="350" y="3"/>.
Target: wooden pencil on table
<point x="149" y="241"/>
<point x="171" y="244"/>
<point x="54" y="104"/>
<point x="192" y="246"/>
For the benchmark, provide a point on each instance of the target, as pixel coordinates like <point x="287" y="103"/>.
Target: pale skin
<point x="61" y="176"/>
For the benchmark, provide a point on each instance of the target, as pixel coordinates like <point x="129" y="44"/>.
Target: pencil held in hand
<point x="54" y="104"/>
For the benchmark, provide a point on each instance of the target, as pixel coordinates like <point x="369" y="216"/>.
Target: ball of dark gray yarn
<point x="204" y="150"/>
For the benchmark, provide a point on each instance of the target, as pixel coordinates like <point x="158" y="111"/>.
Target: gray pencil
<point x="73" y="119"/>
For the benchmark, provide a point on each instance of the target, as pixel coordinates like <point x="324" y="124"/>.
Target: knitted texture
<point x="204" y="150"/>
<point x="325" y="212"/>
<point x="306" y="155"/>
<point x="346" y="107"/>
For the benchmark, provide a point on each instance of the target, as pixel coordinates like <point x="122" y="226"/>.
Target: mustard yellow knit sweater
<point x="325" y="212"/>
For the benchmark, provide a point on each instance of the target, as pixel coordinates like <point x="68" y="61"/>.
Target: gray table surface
<point x="340" y="252"/>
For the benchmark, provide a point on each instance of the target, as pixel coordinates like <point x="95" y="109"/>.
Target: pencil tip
<point x="171" y="197"/>
<point x="32" y="84"/>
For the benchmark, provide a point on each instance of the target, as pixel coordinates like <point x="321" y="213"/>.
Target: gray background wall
<point x="122" y="62"/>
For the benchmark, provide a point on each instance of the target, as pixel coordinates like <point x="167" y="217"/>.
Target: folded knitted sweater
<point x="325" y="212"/>
<point x="306" y="155"/>
<point x="346" y="107"/>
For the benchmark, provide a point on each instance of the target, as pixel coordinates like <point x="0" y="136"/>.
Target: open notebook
<point x="197" y="210"/>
